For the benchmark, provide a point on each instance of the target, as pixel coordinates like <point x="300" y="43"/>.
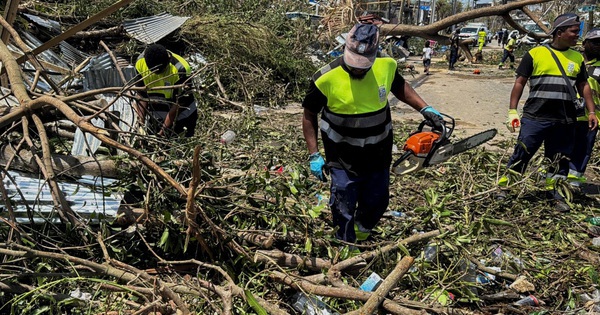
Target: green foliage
<point x="256" y="64"/>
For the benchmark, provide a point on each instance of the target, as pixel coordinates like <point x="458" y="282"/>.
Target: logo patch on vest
<point x="382" y="94"/>
<point x="571" y="67"/>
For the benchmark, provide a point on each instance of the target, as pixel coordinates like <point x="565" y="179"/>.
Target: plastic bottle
<point x="430" y="253"/>
<point x="228" y="137"/>
<point x="310" y="305"/>
<point x="593" y="221"/>
<point x="529" y="300"/>
<point x="470" y="270"/>
<point x="393" y="213"/>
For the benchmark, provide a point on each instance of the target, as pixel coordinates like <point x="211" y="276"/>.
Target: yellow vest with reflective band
<point x="169" y="77"/>
<point x="351" y="97"/>
<point x="356" y="125"/>
<point x="593" y="68"/>
<point x="481" y="36"/>
<point x="544" y="64"/>
<point x="549" y="97"/>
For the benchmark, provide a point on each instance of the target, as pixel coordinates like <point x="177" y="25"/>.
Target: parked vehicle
<point x="471" y="30"/>
<point x="536" y="29"/>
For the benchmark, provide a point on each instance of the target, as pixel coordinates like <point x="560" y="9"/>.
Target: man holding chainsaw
<point x="351" y="93"/>
<point x="550" y="112"/>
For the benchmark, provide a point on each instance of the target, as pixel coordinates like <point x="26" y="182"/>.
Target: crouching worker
<point x="170" y="111"/>
<point x="351" y="95"/>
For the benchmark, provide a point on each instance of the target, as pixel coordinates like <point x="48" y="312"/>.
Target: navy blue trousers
<point x="507" y="55"/>
<point x="584" y="139"/>
<point x="558" y="144"/>
<point x="362" y="199"/>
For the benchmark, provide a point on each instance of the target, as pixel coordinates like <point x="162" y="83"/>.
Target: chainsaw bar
<point x="473" y="141"/>
<point x="446" y="151"/>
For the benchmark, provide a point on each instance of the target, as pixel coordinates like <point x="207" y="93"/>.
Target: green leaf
<point x="164" y="238"/>
<point x="41" y="310"/>
<point x="254" y="304"/>
<point x="308" y="245"/>
<point x="314" y="212"/>
<point x="284" y="229"/>
<point x="293" y="188"/>
<point x="403" y="249"/>
<point x="497" y="222"/>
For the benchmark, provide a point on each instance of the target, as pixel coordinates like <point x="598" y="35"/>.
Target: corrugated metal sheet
<point x="85" y="144"/>
<point x="151" y="29"/>
<point x="90" y="197"/>
<point x="100" y="73"/>
<point x="71" y="54"/>
<point x="51" y="25"/>
<point x="7" y="98"/>
<point x="48" y="55"/>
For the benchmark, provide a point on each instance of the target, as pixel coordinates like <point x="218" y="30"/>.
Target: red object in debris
<point x="476" y="71"/>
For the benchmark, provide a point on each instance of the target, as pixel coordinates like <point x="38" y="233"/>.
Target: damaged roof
<point x="151" y="29"/>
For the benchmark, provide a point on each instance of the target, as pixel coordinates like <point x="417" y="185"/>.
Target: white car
<point x="534" y="28"/>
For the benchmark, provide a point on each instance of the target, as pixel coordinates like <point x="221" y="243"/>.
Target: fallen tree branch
<point x="133" y="276"/>
<point x="389" y="283"/>
<point x="343" y="293"/>
<point x="431" y="31"/>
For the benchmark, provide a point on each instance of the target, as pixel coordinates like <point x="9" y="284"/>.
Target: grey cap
<point x="361" y="46"/>
<point x="566" y="19"/>
<point x="593" y="34"/>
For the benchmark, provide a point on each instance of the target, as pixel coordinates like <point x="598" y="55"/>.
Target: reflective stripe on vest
<point x="169" y="77"/>
<point x="358" y="142"/>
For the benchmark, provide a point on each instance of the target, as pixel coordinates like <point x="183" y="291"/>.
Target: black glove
<point x="433" y="119"/>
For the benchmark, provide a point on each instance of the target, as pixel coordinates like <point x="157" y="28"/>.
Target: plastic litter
<point x="372" y="282"/>
<point x="593" y="221"/>
<point x="310" y="305"/>
<point x="592" y="303"/>
<point x="529" y="300"/>
<point x="228" y="137"/>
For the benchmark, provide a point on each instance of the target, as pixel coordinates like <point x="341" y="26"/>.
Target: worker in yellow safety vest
<point x="351" y="96"/>
<point x="172" y="108"/>
<point x="481" y="38"/>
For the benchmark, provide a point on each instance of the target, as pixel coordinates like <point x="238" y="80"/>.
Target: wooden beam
<point x="10" y="14"/>
<point x="79" y="27"/>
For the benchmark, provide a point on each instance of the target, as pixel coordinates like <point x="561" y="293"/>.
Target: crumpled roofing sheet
<point x="89" y="197"/>
<point x="151" y="29"/>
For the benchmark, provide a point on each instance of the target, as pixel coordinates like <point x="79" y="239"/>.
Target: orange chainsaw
<point x="424" y="148"/>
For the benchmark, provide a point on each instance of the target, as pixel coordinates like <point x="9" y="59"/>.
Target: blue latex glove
<point x="317" y="162"/>
<point x="433" y="116"/>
